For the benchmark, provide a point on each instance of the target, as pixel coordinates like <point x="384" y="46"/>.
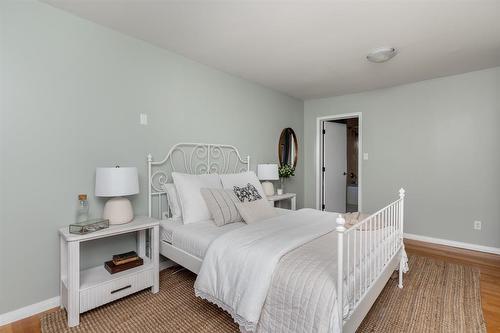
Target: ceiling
<point x="309" y="48"/>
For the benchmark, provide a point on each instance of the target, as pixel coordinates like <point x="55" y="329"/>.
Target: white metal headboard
<point x="193" y="158"/>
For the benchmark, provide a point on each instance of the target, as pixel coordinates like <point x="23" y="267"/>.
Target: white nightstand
<point x="82" y="290"/>
<point x="286" y="196"/>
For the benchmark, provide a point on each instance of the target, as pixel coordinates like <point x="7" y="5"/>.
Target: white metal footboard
<point x="368" y="253"/>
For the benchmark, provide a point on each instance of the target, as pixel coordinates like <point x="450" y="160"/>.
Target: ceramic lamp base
<point x="268" y="188"/>
<point x="118" y="211"/>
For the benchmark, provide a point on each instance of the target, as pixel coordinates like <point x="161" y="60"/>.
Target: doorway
<point x="339" y="167"/>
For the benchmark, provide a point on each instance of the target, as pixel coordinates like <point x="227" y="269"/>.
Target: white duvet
<point x="228" y="276"/>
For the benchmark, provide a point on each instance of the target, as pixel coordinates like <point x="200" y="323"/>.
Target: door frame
<point x="319" y="155"/>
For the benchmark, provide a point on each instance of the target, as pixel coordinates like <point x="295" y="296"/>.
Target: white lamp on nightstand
<point x="268" y="172"/>
<point x="117" y="183"/>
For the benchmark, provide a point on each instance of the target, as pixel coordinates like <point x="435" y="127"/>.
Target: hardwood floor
<point x="488" y="264"/>
<point x="26" y="325"/>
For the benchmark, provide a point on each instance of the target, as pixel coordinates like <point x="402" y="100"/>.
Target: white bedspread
<point x="231" y="260"/>
<point x="303" y="295"/>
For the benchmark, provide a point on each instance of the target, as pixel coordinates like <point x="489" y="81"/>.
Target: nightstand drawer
<point x="115" y="289"/>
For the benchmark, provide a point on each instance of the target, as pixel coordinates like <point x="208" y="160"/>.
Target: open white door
<point x="334" y="167"/>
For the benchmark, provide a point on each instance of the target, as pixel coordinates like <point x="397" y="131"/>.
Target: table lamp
<point x="268" y="172"/>
<point x="117" y="183"/>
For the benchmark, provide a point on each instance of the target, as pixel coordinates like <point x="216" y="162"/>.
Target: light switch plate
<point x="143" y="119"/>
<point x="365" y="156"/>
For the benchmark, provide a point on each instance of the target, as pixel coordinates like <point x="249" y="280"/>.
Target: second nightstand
<point x="286" y="196"/>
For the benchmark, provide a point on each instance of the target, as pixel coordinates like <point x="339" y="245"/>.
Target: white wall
<point x="439" y="139"/>
<point x="71" y="94"/>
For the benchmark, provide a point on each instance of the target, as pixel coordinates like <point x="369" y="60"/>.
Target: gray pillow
<point x="256" y="211"/>
<point x="222" y="205"/>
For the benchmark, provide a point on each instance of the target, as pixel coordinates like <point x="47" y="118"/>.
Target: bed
<point x="302" y="271"/>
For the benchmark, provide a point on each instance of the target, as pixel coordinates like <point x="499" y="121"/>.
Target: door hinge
<point x="323" y="207"/>
<point x="324" y="169"/>
<point x="324" y="131"/>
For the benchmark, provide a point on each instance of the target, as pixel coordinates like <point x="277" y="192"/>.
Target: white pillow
<point x="193" y="206"/>
<point x="241" y="180"/>
<point x="173" y="200"/>
<point x="256" y="211"/>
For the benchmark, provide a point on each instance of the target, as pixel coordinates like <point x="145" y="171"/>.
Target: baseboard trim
<point x="28" y="311"/>
<point x="461" y="245"/>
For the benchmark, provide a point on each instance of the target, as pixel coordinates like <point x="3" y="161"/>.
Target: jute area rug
<point x="437" y="297"/>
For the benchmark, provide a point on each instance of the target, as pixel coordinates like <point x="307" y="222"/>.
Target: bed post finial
<point x="150" y="158"/>
<point x="402" y="193"/>
<point x="340" y="223"/>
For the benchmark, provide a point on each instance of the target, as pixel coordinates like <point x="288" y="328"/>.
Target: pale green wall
<point x="439" y="139"/>
<point x="70" y="97"/>
<point x="71" y="94"/>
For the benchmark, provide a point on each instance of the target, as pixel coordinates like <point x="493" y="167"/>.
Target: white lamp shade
<point x="268" y="171"/>
<point x="116" y="182"/>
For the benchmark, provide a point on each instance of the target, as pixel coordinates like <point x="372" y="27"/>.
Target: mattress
<point x="195" y="238"/>
<point x="167" y="227"/>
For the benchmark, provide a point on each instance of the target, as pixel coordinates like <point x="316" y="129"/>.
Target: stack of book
<point x="122" y="262"/>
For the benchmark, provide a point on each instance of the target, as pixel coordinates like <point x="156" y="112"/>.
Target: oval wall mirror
<point x="288" y="147"/>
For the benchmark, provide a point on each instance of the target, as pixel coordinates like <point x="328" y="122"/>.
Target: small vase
<point x="282" y="184"/>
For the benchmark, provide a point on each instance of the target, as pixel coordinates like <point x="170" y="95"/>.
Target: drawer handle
<point x="123" y="288"/>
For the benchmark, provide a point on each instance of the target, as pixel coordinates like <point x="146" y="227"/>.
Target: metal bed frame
<point x="372" y="257"/>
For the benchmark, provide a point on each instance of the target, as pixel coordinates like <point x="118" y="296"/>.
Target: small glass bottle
<point x="82" y="213"/>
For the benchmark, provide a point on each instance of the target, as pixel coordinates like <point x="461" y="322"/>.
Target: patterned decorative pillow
<point x="247" y="194"/>
<point x="222" y="205"/>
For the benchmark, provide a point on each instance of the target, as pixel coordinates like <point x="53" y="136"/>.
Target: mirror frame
<point x="295" y="142"/>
